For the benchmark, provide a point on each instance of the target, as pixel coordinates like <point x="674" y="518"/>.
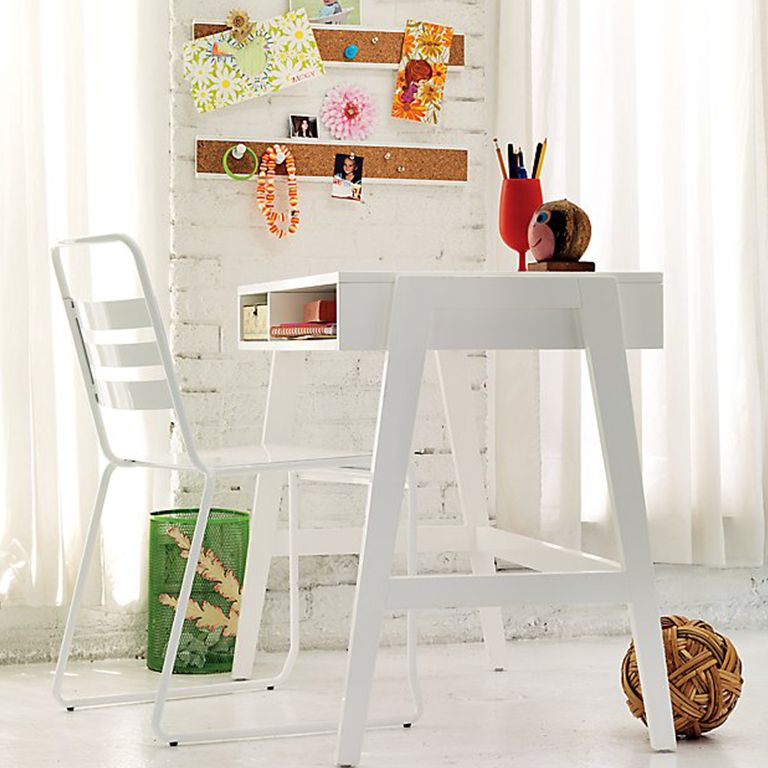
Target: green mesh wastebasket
<point x="208" y="637"/>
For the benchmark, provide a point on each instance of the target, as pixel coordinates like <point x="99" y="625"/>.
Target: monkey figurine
<point x="559" y="231"/>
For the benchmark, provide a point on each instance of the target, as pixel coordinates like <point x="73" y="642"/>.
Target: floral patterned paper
<point x="423" y="68"/>
<point x="277" y="53"/>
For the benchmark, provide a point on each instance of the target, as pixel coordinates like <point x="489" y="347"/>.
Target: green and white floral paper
<point x="278" y="52"/>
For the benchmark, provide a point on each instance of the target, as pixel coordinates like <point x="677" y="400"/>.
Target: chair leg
<point x="74" y="608"/>
<point x="181" y="608"/>
<point x="606" y="357"/>
<point x="397" y="413"/>
<point x="285" y="381"/>
<point x="246" y="658"/>
<point x="306" y="728"/>
<point x="294" y="508"/>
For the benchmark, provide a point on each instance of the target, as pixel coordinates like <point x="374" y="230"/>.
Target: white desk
<point x="604" y="314"/>
<point x="364" y="300"/>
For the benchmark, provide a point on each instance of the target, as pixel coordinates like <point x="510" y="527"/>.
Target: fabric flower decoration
<point x="240" y="24"/>
<point x="349" y="113"/>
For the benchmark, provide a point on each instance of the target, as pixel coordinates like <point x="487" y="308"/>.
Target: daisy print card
<point x="245" y="62"/>
<point x="421" y="76"/>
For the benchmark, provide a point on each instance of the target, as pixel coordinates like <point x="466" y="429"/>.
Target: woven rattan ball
<point x="704" y="674"/>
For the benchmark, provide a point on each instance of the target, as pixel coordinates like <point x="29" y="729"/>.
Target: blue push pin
<point x="350" y="52"/>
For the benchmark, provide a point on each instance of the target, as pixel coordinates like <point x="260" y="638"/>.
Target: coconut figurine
<point x="558" y="235"/>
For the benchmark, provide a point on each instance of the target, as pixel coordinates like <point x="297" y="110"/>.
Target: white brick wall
<point x="220" y="241"/>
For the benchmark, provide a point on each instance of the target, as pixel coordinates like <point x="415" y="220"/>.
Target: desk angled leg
<point x="394" y="433"/>
<point x="607" y="360"/>
<point x="285" y="380"/>
<point x="455" y="384"/>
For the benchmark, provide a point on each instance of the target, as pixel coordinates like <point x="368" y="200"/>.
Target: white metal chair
<point x="459" y="312"/>
<point x="128" y="336"/>
<point x="315" y="543"/>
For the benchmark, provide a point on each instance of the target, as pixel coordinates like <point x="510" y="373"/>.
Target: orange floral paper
<point x="421" y="77"/>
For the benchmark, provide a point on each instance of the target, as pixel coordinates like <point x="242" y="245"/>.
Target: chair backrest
<point x="122" y="348"/>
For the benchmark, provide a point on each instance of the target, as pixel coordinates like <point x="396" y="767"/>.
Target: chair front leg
<point x="74" y="608"/>
<point x="181" y="609"/>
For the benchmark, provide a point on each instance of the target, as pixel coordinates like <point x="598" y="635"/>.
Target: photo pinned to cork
<point x="331" y="11"/>
<point x="348" y="177"/>
<point x="302" y="127"/>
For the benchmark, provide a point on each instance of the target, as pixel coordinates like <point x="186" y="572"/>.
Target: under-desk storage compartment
<point x="362" y="311"/>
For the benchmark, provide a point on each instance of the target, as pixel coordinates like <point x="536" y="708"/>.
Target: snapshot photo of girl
<point x="331" y="11"/>
<point x="302" y="127"/>
<point x="348" y="177"/>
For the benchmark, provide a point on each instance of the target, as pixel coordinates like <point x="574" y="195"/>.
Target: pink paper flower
<point x="349" y="113"/>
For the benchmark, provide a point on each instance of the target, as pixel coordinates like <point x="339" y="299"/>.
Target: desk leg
<point x="285" y="380"/>
<point x="397" y="412"/>
<point x="607" y="359"/>
<point x="455" y="385"/>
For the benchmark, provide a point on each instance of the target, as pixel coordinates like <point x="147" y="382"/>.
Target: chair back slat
<point x="134" y="395"/>
<point x="133" y="355"/>
<point x="114" y="315"/>
<point x="121" y="344"/>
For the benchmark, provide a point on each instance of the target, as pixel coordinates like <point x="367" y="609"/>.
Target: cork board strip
<point x="315" y="159"/>
<point x="333" y="41"/>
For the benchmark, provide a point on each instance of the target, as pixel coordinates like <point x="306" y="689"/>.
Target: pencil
<point x="536" y="161"/>
<point x="541" y="159"/>
<point x="501" y="159"/>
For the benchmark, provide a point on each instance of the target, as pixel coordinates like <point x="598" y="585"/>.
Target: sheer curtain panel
<point x="656" y="119"/>
<point x="83" y="148"/>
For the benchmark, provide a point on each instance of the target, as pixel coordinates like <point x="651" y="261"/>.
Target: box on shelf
<point x="320" y="311"/>
<point x="254" y="323"/>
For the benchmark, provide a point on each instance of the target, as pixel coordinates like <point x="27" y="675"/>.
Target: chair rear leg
<point x="607" y="360"/>
<point x="293" y="581"/>
<point x="285" y="380"/>
<point x="74" y="608"/>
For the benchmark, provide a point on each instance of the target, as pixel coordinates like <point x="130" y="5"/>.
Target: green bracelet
<point x="240" y="176"/>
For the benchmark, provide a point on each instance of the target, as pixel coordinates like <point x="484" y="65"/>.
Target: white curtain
<point x="655" y="111"/>
<point x="83" y="149"/>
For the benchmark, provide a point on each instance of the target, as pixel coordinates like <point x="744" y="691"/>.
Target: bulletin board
<point x="375" y="47"/>
<point x="395" y="163"/>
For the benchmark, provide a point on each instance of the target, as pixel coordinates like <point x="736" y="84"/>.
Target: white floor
<point x="558" y="705"/>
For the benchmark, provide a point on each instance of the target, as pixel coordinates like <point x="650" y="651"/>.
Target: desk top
<point x="386" y="276"/>
<point x="364" y="298"/>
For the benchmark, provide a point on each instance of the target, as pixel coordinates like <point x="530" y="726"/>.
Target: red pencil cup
<point x="519" y="199"/>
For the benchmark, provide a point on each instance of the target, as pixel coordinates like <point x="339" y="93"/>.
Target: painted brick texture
<point x="219" y="241"/>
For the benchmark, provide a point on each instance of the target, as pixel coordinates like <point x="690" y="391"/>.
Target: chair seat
<point x="260" y="457"/>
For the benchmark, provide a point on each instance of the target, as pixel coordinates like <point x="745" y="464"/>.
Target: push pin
<point x="375" y="39"/>
<point x="351" y="51"/>
<point x="387" y="155"/>
<point x="239" y="151"/>
<point x="401" y="169"/>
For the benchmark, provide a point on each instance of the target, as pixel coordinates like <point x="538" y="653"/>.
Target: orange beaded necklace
<point x="265" y="191"/>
